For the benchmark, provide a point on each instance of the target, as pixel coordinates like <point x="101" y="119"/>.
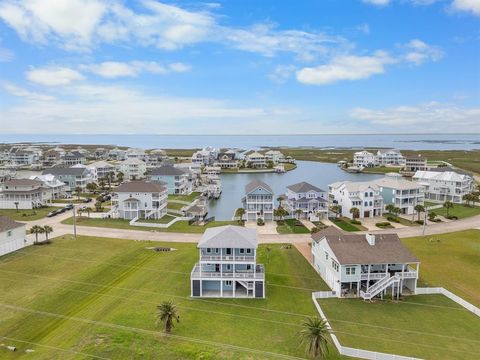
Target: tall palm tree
<point x="298" y="212"/>
<point x="389" y="208"/>
<point x="280" y="199"/>
<point x="120" y="176"/>
<point x="36" y="229"/>
<point x="47" y="230"/>
<point x="419" y="208"/>
<point x="448" y="205"/>
<point x="78" y="191"/>
<point x="355" y="212"/>
<point x="315" y="334"/>
<point x="167" y="314"/>
<point x="16" y="205"/>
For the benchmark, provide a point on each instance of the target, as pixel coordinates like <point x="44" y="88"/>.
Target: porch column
<point x="368" y="276"/>
<point x="221" y="280"/>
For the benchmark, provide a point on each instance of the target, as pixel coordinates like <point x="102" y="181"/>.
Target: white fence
<point x="158" y="225"/>
<point x="440" y="290"/>
<point x="324" y="294"/>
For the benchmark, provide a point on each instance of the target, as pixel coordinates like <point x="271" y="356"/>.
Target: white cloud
<point x="18" y="91"/>
<point x="82" y="24"/>
<point x="282" y="73"/>
<point x="348" y="67"/>
<point x="53" y="76"/>
<point x="377" y="2"/>
<point x="179" y="67"/>
<point x="419" y="52"/>
<point x="432" y="116"/>
<point x="115" y="69"/>
<point x="6" y="55"/>
<point x="472" y="6"/>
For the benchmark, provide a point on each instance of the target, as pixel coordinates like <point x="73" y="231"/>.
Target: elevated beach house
<point x="365" y="196"/>
<point x="23" y="194"/>
<point x="132" y="168"/>
<point x="256" y="160"/>
<point x="364" y="265"/>
<point x="73" y="177"/>
<point x="139" y="200"/>
<point x="311" y="200"/>
<point x="258" y="201"/>
<point x="175" y="179"/>
<point x="363" y="159"/>
<point x="227" y="264"/>
<point x="12" y="235"/>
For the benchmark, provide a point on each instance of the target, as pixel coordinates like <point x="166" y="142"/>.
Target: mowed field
<point x="97" y="297"/>
<point x="451" y="261"/>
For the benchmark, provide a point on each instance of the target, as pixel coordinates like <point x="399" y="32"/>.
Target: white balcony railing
<point x="227" y="258"/>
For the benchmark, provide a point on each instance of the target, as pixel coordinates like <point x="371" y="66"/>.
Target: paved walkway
<point x="305" y="249"/>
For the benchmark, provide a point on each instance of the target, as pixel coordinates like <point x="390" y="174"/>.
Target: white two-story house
<point x="175" y="179"/>
<point x="227" y="264"/>
<point x="365" y="196"/>
<point x="311" y="200"/>
<point x="101" y="169"/>
<point x="139" y="200"/>
<point x="363" y="159"/>
<point x="441" y="186"/>
<point x="256" y="160"/>
<point x="23" y="194"/>
<point x="258" y="201"/>
<point x="274" y="156"/>
<point x="132" y="168"/>
<point x="391" y="157"/>
<point x="364" y="265"/>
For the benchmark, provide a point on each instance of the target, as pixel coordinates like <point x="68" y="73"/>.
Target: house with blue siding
<point x="227" y="264"/>
<point x="258" y="201"/>
<point x="175" y="179"/>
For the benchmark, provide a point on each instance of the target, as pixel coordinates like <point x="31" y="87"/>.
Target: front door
<point x="366" y="214"/>
<point x="229" y="251"/>
<point x="217" y="267"/>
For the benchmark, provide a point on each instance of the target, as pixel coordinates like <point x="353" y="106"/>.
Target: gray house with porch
<point x="227" y="264"/>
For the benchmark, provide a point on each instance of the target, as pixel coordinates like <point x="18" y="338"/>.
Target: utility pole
<point x="74" y="224"/>
<point x="424" y="221"/>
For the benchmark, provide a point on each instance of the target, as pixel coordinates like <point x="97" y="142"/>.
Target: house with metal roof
<point x="258" y="201"/>
<point x="364" y="265"/>
<point x="176" y="179"/>
<point x="309" y="199"/>
<point x="227" y="264"/>
<point x="23" y="194"/>
<point x="12" y="235"/>
<point x="139" y="200"/>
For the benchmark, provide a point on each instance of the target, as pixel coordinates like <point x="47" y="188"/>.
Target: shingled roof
<point x="303" y="187"/>
<point x="167" y="170"/>
<point x="140" y="186"/>
<point x="229" y="237"/>
<point x="252" y="185"/>
<point x="7" y="223"/>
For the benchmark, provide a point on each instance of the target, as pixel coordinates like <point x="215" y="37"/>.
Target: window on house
<point x="249" y="251"/>
<point x="228" y="283"/>
<point x="326" y="255"/>
<point x="229" y="267"/>
<point x="335" y="265"/>
<point x="9" y="233"/>
<point x="249" y="267"/>
<point x="209" y="250"/>
<point x="242" y="251"/>
<point x="350" y="270"/>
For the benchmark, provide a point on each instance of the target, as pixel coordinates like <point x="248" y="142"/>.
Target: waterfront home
<point x="414" y="163"/>
<point x="117" y="154"/>
<point x="258" y="201"/>
<point x="365" y="196"/>
<point x="51" y="158"/>
<point x="73" y="177"/>
<point x="72" y="158"/>
<point x="135" y="154"/>
<point x="227" y="160"/>
<point x="206" y="156"/>
<point x="363" y="159"/>
<point x="139" y="200"/>
<point x="132" y="168"/>
<point x="175" y="179"/>
<point x="401" y="193"/>
<point x="56" y="188"/>
<point x="391" y="157"/>
<point x="256" y="160"/>
<point x="311" y="200"/>
<point x="12" y="235"/>
<point x="23" y="157"/>
<point x="444" y="186"/>
<point x="227" y="264"/>
<point x="101" y="169"/>
<point x="156" y="158"/>
<point x="99" y="154"/>
<point x="22" y="194"/>
<point x="364" y="265"/>
<point x="274" y="156"/>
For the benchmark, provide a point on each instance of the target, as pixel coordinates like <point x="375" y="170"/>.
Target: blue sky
<point x="239" y="67"/>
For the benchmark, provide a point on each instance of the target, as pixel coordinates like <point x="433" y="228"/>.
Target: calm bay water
<point x="318" y="174"/>
<point x="400" y="141"/>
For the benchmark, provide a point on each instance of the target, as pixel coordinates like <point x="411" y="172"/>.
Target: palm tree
<point x="419" y="208"/>
<point x="355" y="212"/>
<point x="167" y="314"/>
<point x="36" y="229"/>
<point x="16" y="205"/>
<point x="280" y="199"/>
<point x="88" y="211"/>
<point x="298" y="212"/>
<point x="337" y="209"/>
<point x="120" y="176"/>
<point x="448" y="205"/>
<point x="78" y="191"/>
<point x="389" y="208"/>
<point x="315" y="334"/>
<point x="47" y="230"/>
<point x="91" y="187"/>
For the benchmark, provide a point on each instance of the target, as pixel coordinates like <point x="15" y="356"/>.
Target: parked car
<point x="68" y="207"/>
<point x="87" y="200"/>
<point x="52" y="213"/>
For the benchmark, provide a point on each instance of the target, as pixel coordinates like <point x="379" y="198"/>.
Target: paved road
<point x="61" y="229"/>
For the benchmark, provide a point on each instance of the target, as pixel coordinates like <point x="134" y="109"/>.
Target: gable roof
<point x="229" y="236"/>
<point x="440" y="176"/>
<point x="254" y="184"/>
<point x="303" y="187"/>
<point x="355" y="186"/>
<point x="355" y="249"/>
<point x="331" y="230"/>
<point x="75" y="171"/>
<point x="167" y="170"/>
<point x="140" y="186"/>
<point x="22" y="182"/>
<point x="7" y="223"/>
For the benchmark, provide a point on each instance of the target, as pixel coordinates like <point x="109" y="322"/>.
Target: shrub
<point x="419" y="222"/>
<point x="392" y="218"/>
<point x="260" y="222"/>
<point x="355" y="222"/>
<point x="452" y="217"/>
<point x="383" y="224"/>
<point x="314" y="230"/>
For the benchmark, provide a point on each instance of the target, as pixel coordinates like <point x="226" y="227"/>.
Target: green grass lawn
<point x="68" y="201"/>
<point x="179" y="226"/>
<point x="98" y="297"/>
<point x="424" y="326"/>
<point x="292" y="226"/>
<point x="345" y="224"/>
<point x="289" y="166"/>
<point x="175" y="206"/>
<point x="401" y="220"/>
<point x="450" y="260"/>
<point x="27" y="215"/>
<point x="460" y="211"/>
<point x="188" y="198"/>
<point x="165" y="219"/>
